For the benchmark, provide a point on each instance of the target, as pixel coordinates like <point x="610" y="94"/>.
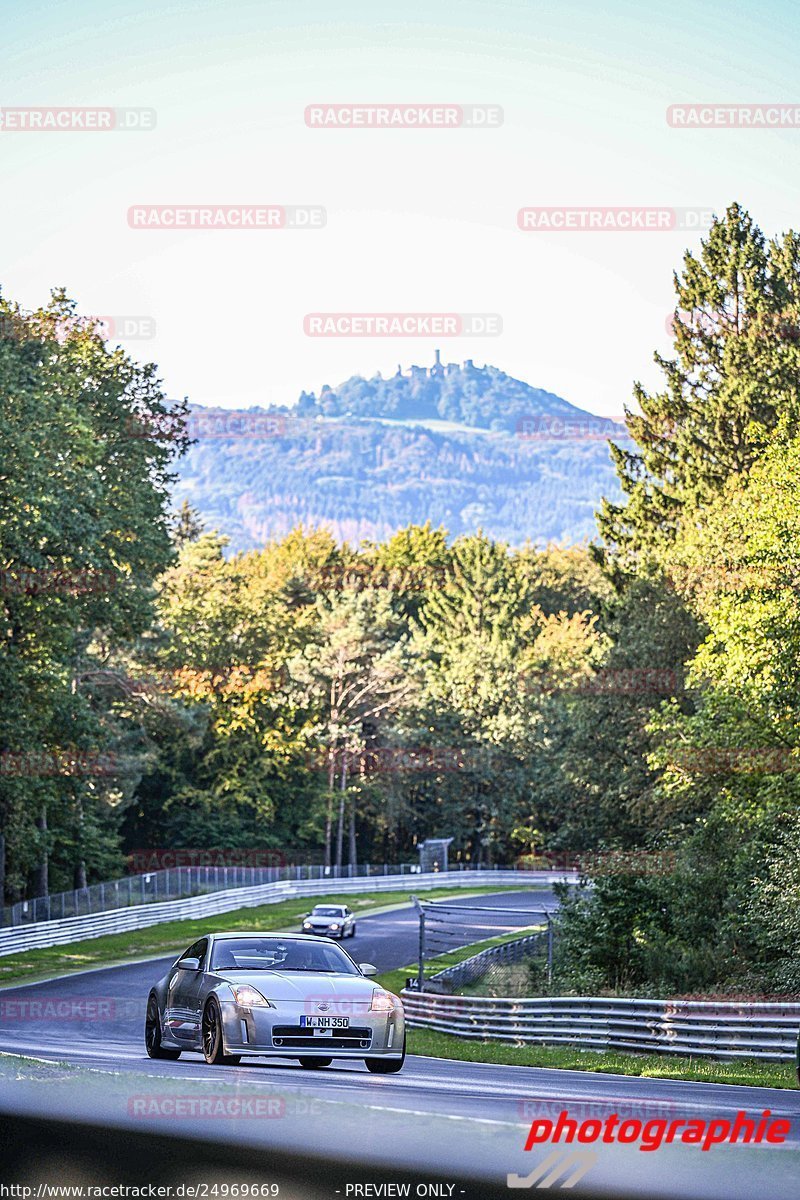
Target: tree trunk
<point x="40" y="883"/>
<point x="340" y="826"/>
<point x="79" y="872"/>
<point x="2" y="876"/>
<point x="353" y="863"/>
<point x="329" y="805"/>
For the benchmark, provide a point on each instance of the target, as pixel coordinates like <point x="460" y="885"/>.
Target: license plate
<point x="324" y="1022"/>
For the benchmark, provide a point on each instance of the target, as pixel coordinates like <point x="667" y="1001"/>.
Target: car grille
<point x="354" y="1038"/>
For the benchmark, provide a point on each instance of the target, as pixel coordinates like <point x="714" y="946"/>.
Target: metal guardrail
<point x="123" y="920"/>
<point x="174" y="883"/>
<point x="700" y="1028"/>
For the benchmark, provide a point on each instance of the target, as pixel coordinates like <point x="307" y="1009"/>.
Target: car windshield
<point x="325" y="910"/>
<point x="277" y="954"/>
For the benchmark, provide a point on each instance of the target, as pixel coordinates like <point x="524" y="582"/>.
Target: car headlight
<point x="249" y="997"/>
<point x="307" y="925"/>
<point x="334" y="926"/>
<point x="383" y="1002"/>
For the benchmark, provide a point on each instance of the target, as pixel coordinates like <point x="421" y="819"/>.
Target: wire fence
<point x="447" y="927"/>
<point x="489" y="969"/>
<point x="140" y="916"/>
<point x="177" y="883"/>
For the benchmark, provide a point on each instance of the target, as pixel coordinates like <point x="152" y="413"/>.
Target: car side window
<point x="198" y="950"/>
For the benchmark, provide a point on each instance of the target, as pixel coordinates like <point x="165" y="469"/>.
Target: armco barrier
<point x="700" y="1028"/>
<point x="177" y="883"/>
<point x="123" y="920"/>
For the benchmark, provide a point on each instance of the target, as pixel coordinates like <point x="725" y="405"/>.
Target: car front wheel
<point x="386" y="1066"/>
<point x="213" y="1047"/>
<point x="152" y="1033"/>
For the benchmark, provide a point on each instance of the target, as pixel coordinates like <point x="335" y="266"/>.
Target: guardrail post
<point x="549" y="949"/>
<point x="421" y="966"/>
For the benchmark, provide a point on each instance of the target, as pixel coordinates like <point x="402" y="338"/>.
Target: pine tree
<point x="187" y="525"/>
<point x="733" y="381"/>
<point x="482" y="595"/>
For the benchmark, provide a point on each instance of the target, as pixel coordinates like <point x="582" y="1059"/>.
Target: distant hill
<point x="459" y="445"/>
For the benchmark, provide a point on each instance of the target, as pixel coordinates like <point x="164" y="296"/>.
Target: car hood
<point x="326" y="921"/>
<point x="303" y="986"/>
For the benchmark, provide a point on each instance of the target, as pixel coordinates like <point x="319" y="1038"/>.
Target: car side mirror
<point x="367" y="969"/>
<point x="189" y="964"/>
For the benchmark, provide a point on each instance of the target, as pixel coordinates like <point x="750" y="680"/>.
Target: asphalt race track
<point x="436" y="1118"/>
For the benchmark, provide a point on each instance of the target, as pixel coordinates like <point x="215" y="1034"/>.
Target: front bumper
<point x="277" y="1032"/>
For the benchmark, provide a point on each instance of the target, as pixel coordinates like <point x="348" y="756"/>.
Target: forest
<point x="633" y="700"/>
<point x="470" y="448"/>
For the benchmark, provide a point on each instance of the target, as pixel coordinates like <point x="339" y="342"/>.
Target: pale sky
<point x="417" y="220"/>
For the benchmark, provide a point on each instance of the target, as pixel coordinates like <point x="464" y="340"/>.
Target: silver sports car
<point x="288" y="996"/>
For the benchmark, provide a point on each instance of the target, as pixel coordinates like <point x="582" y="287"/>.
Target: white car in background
<point x="332" y="920"/>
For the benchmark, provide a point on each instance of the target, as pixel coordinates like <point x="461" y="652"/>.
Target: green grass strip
<point x="394" y="981"/>
<point x="174" y="936"/>
<point x="749" y="1073"/>
<point x="433" y="1044"/>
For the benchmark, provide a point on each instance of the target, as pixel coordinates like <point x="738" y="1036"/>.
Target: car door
<point x="184" y="996"/>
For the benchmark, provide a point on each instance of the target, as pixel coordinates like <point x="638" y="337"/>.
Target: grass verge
<point x="394" y="981"/>
<point x="750" y="1073"/>
<point x="171" y="936"/>
<point x="429" y="1042"/>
